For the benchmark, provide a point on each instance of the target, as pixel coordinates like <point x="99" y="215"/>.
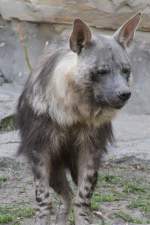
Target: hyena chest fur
<point x="40" y="134"/>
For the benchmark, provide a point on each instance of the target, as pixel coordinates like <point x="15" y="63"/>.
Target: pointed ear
<point x="80" y="37"/>
<point x="125" y="34"/>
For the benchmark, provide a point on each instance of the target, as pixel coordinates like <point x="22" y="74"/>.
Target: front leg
<point x="61" y="186"/>
<point x="43" y="202"/>
<point x="41" y="177"/>
<point x="86" y="184"/>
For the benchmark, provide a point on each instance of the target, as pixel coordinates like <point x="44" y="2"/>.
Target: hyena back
<point x="65" y="113"/>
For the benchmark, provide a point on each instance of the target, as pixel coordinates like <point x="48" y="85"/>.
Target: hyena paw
<point x="82" y="218"/>
<point x="62" y="216"/>
<point x="42" y="221"/>
<point x="82" y="221"/>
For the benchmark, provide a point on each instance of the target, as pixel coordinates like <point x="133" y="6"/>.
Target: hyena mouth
<point x="117" y="105"/>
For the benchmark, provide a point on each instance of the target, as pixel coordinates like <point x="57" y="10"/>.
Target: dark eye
<point x="126" y="71"/>
<point x="99" y="73"/>
<point x="103" y="71"/>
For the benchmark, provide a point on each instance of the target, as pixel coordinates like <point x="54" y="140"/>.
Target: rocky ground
<point x="122" y="194"/>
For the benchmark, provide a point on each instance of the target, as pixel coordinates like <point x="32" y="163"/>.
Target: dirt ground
<point x="122" y="195"/>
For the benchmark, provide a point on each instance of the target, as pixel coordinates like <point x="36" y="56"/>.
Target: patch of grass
<point x="126" y="187"/>
<point x="128" y="218"/>
<point x="6" y="218"/>
<point x="24" y="212"/>
<point x="12" y="213"/>
<point x="141" y="203"/>
<point x="8" y="123"/>
<point x="95" y="203"/>
<point x="99" y="198"/>
<point x="3" y="179"/>
<point x="71" y="218"/>
<point x="108" y="198"/>
<point x="131" y="187"/>
<point x="111" y="179"/>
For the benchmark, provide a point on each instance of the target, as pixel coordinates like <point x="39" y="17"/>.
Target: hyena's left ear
<point x="125" y="34"/>
<point x="80" y="37"/>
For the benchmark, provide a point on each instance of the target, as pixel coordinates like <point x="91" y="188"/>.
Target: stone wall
<point x="43" y="21"/>
<point x="107" y="14"/>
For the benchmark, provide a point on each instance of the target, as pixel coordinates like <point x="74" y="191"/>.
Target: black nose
<point x="124" y="96"/>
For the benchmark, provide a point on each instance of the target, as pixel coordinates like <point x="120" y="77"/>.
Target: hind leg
<point x="60" y="184"/>
<point x="41" y="177"/>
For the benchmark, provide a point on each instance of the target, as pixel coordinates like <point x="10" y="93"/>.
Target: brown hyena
<point x="65" y="113"/>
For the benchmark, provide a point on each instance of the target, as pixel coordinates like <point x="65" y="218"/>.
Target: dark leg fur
<point x="59" y="183"/>
<point x="86" y="184"/>
<point x="41" y="178"/>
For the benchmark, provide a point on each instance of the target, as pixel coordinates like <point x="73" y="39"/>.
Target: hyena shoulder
<point x="46" y="90"/>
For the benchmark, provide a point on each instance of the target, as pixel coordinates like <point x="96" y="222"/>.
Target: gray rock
<point x="9" y="143"/>
<point x="9" y="94"/>
<point x="140" y="59"/>
<point x="132" y="134"/>
<point x="3" y="79"/>
<point x="108" y="14"/>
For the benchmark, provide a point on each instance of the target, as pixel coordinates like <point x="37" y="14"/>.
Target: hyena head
<point x="103" y="71"/>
